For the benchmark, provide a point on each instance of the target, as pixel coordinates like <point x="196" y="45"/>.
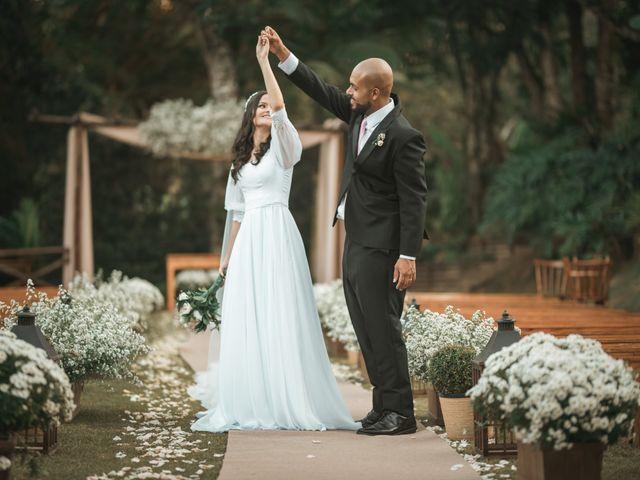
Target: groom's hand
<point x="404" y="273"/>
<point x="276" y="46"/>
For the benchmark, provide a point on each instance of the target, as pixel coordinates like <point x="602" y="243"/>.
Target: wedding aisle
<point x="322" y="455"/>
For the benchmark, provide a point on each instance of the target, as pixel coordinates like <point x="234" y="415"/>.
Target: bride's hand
<point x="224" y="265"/>
<point x="262" y="48"/>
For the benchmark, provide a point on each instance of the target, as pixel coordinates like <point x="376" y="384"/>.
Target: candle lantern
<point x="492" y="438"/>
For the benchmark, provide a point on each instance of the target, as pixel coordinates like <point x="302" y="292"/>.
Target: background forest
<point x="530" y="108"/>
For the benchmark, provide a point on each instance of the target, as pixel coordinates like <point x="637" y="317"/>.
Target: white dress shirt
<point x="289" y="66"/>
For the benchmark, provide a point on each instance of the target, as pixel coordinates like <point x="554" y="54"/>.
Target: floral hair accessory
<point x="246" y="104"/>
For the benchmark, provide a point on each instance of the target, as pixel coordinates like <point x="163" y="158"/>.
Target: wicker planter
<point x="418" y="387"/>
<point x="581" y="462"/>
<point x="435" y="409"/>
<point x="77" y="387"/>
<point x="362" y="367"/>
<point x="7" y="447"/>
<point x="352" y="358"/>
<point x="335" y="349"/>
<point x="458" y="417"/>
<point x="636" y="429"/>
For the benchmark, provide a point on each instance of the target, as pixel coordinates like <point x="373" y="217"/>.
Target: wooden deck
<point x="617" y="330"/>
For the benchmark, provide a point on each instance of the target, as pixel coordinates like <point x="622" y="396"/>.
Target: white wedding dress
<point x="273" y="370"/>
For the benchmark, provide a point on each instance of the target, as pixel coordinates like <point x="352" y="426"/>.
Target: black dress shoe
<point x="371" y="418"/>
<point x="391" y="423"/>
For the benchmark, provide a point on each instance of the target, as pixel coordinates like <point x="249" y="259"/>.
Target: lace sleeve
<point x="285" y="141"/>
<point x="234" y="199"/>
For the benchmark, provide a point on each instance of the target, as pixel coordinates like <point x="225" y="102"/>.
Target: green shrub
<point x="565" y="197"/>
<point x="450" y="370"/>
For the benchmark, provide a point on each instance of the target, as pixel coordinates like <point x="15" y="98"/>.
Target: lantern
<point x="35" y="438"/>
<point x="492" y="438"/>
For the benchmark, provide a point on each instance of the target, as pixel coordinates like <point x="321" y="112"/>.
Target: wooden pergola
<point x="326" y="247"/>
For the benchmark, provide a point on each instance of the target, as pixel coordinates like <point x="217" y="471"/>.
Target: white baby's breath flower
<point x="5" y="463"/>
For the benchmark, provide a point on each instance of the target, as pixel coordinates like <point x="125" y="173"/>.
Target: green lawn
<point x="147" y="425"/>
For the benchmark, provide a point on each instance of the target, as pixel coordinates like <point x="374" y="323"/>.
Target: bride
<point x="273" y="370"/>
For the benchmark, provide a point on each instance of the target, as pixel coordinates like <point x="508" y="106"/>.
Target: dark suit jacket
<point x="386" y="202"/>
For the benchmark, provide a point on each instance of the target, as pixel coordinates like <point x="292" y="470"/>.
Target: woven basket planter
<point x="583" y="461"/>
<point x="335" y="349"/>
<point x="419" y="387"/>
<point x="352" y="358"/>
<point x="7" y="447"/>
<point x="458" y="417"/>
<point x="636" y="429"/>
<point x="362" y="367"/>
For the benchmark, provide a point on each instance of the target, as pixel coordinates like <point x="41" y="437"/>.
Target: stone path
<point x="283" y="455"/>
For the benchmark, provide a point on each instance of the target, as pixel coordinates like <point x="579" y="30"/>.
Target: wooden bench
<point x="18" y="263"/>
<point x="186" y="261"/>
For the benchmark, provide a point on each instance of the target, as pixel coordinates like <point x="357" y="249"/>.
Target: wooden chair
<point x="588" y="280"/>
<point x="182" y="261"/>
<point x="551" y="280"/>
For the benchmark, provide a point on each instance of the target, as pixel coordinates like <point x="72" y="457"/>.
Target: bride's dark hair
<point x="243" y="144"/>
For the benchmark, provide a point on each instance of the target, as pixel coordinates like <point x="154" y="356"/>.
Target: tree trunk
<point x="553" y="98"/>
<point x="482" y="146"/>
<point x="217" y="57"/>
<point x="531" y="81"/>
<point x="578" y="72"/>
<point x="604" y="73"/>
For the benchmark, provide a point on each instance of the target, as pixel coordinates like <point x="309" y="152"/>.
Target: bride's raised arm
<point x="270" y="82"/>
<point x="285" y="141"/>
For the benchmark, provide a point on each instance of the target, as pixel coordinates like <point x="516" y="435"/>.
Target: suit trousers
<point x="375" y="307"/>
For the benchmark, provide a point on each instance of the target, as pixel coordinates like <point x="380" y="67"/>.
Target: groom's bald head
<point x="375" y="73"/>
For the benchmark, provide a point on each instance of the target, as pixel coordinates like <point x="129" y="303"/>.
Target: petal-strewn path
<point x="282" y="455"/>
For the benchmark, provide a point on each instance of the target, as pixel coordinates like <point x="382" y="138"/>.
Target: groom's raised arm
<point x="328" y="96"/>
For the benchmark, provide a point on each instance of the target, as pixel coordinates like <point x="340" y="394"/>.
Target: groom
<point x="383" y="204"/>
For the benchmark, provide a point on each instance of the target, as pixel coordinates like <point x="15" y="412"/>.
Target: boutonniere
<point x="380" y="140"/>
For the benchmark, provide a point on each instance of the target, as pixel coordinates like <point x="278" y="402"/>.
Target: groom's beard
<point x="360" y="108"/>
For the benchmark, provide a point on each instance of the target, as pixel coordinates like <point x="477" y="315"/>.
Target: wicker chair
<point x="551" y="280"/>
<point x="588" y="280"/>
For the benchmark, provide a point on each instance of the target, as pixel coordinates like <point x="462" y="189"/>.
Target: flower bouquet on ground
<point x="198" y="309"/>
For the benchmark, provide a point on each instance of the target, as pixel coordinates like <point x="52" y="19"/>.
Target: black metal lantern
<point x="492" y="438"/>
<point x="415" y="304"/>
<point x="27" y="330"/>
<point x="35" y="438"/>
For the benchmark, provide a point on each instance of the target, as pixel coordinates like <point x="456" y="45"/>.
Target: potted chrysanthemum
<point x="34" y="391"/>
<point x="93" y="338"/>
<point x="335" y="320"/>
<point x="451" y="374"/>
<point x="427" y="332"/>
<point x="566" y="399"/>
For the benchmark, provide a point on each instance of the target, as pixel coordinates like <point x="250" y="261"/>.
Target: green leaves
<point x="565" y="197"/>
<point x="450" y="370"/>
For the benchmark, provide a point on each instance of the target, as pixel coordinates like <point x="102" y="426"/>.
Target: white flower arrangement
<point x="34" y="390"/>
<point x="427" y="332"/>
<point x="556" y="392"/>
<point x="334" y="315"/>
<point x="91" y="336"/>
<point x="194" y="279"/>
<point x="5" y="463"/>
<point x="134" y="298"/>
<point x="178" y="126"/>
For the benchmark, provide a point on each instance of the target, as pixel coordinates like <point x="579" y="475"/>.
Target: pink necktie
<point x="363" y="128"/>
